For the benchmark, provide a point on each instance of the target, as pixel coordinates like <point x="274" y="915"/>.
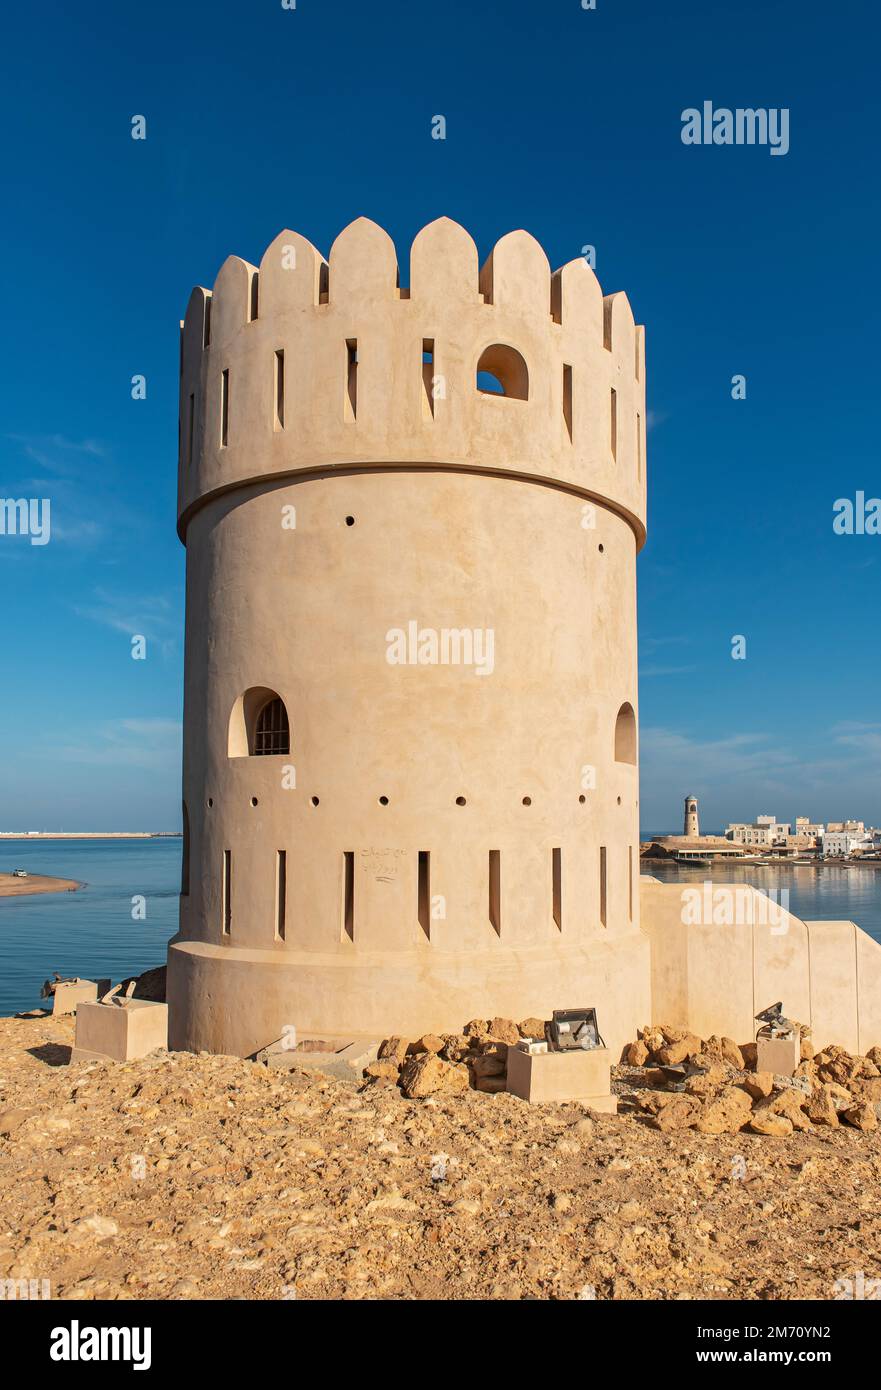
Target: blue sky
<point x="563" y="121"/>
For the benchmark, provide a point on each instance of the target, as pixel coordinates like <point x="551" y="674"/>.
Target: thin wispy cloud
<point x="147" y="743"/>
<point x="154" y="616"/>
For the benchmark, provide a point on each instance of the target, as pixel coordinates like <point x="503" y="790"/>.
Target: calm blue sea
<point x="90" y="932"/>
<point x="833" y="894"/>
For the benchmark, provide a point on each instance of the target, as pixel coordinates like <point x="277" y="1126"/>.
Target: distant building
<point x="763" y="832"/>
<point x="838" y="844"/>
<point x="691" y="845"/>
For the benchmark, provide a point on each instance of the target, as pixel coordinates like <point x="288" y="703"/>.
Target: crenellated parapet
<point x="303" y="365"/>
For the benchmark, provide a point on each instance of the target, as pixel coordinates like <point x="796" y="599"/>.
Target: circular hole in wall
<point x="253" y="801"/>
<point x="383" y="801"/>
<point x="601" y="549"/>
<point x="350" y="521"/>
<point x="211" y="801"/>
<point x="460" y="801"/>
<point x="527" y="801"/>
<point x="582" y="798"/>
<point x="315" y="801"/>
<point x="619" y="801"/>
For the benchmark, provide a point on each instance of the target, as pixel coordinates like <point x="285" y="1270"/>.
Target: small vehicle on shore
<point x="19" y="873"/>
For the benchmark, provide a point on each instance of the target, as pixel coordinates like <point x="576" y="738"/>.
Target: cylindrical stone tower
<point x="691" y="826"/>
<point x="410" y="754"/>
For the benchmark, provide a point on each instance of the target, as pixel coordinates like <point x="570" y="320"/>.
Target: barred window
<point x="272" y="732"/>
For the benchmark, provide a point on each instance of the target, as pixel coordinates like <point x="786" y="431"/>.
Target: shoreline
<point x="89" y="835"/>
<point x="11" y="887"/>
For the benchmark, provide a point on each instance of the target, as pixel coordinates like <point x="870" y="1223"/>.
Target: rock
<point x="861" y="1116"/>
<point x="385" y="1070"/>
<point x="748" y="1052"/>
<point x="807" y="1051"/>
<point x="674" y="1053"/>
<point x="682" y="1109"/>
<point x="801" y="1084"/>
<point x="874" y="1055"/>
<point x="636" y="1055"/>
<point x="456" y="1047"/>
<point x="101" y="1227"/>
<point x="706" y="1083"/>
<point x="488" y="1064"/>
<point x="429" y="1042"/>
<point x="492" y="1085"/>
<point x="654" y="1040"/>
<point x="759" y="1085"/>
<point x="678" y="1112"/>
<point x="11" y="1120"/>
<point x="840" y="1096"/>
<point x="673" y="1035"/>
<point x="788" y="1103"/>
<point x="504" y="1030"/>
<point x="766" y="1122"/>
<point x="477" y="1028"/>
<point x="532" y="1028"/>
<point x="727" y="1114"/>
<point x="821" y="1109"/>
<point x="426" y="1075"/>
<point x="732" y="1053"/>
<point x="865" y="1088"/>
<point x="392" y="1049"/>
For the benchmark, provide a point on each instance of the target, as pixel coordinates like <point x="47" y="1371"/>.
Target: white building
<point x="840" y="843"/>
<point x="762" y="832"/>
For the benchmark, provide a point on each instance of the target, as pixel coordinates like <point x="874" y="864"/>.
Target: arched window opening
<point x="501" y="371"/>
<point x="258" y="724"/>
<point x="625" y="735"/>
<point x="272" y="733"/>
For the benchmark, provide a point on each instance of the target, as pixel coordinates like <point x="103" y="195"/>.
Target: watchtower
<point x="411" y="517"/>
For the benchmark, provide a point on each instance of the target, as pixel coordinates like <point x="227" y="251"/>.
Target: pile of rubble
<point x="669" y="1078"/>
<point x="449" y="1063"/>
<point x="679" y="1081"/>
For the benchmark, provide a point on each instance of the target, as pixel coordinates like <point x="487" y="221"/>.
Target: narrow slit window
<point x="351" y="401"/>
<point x="630" y="882"/>
<point x="206" y="335"/>
<point x="495" y="891"/>
<point x="428" y="377"/>
<point x="191" y="425"/>
<point x="603" y="884"/>
<point x="614" y="423"/>
<point x="557" y="881"/>
<point x="224" y="409"/>
<point x="226" y="892"/>
<point x="349" y="894"/>
<point x="281" y="892"/>
<point x="567" y="399"/>
<point x="254" y="300"/>
<point x="279" y="389"/>
<point x="638" y="445"/>
<point x="424" y="891"/>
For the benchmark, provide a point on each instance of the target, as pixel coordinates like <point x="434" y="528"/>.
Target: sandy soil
<point x="183" y="1176"/>
<point x="35" y="883"/>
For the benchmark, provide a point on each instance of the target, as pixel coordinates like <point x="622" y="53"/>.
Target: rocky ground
<point x="183" y="1176"/>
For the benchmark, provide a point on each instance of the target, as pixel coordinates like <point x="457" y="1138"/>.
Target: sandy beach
<point x="11" y="887"/>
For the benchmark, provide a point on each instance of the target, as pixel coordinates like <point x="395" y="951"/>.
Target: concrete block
<point x="778" y="1055"/>
<point x="121" y="1032"/>
<point x="558" y="1076"/>
<point x="344" y="1058"/>
<point x="68" y="995"/>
